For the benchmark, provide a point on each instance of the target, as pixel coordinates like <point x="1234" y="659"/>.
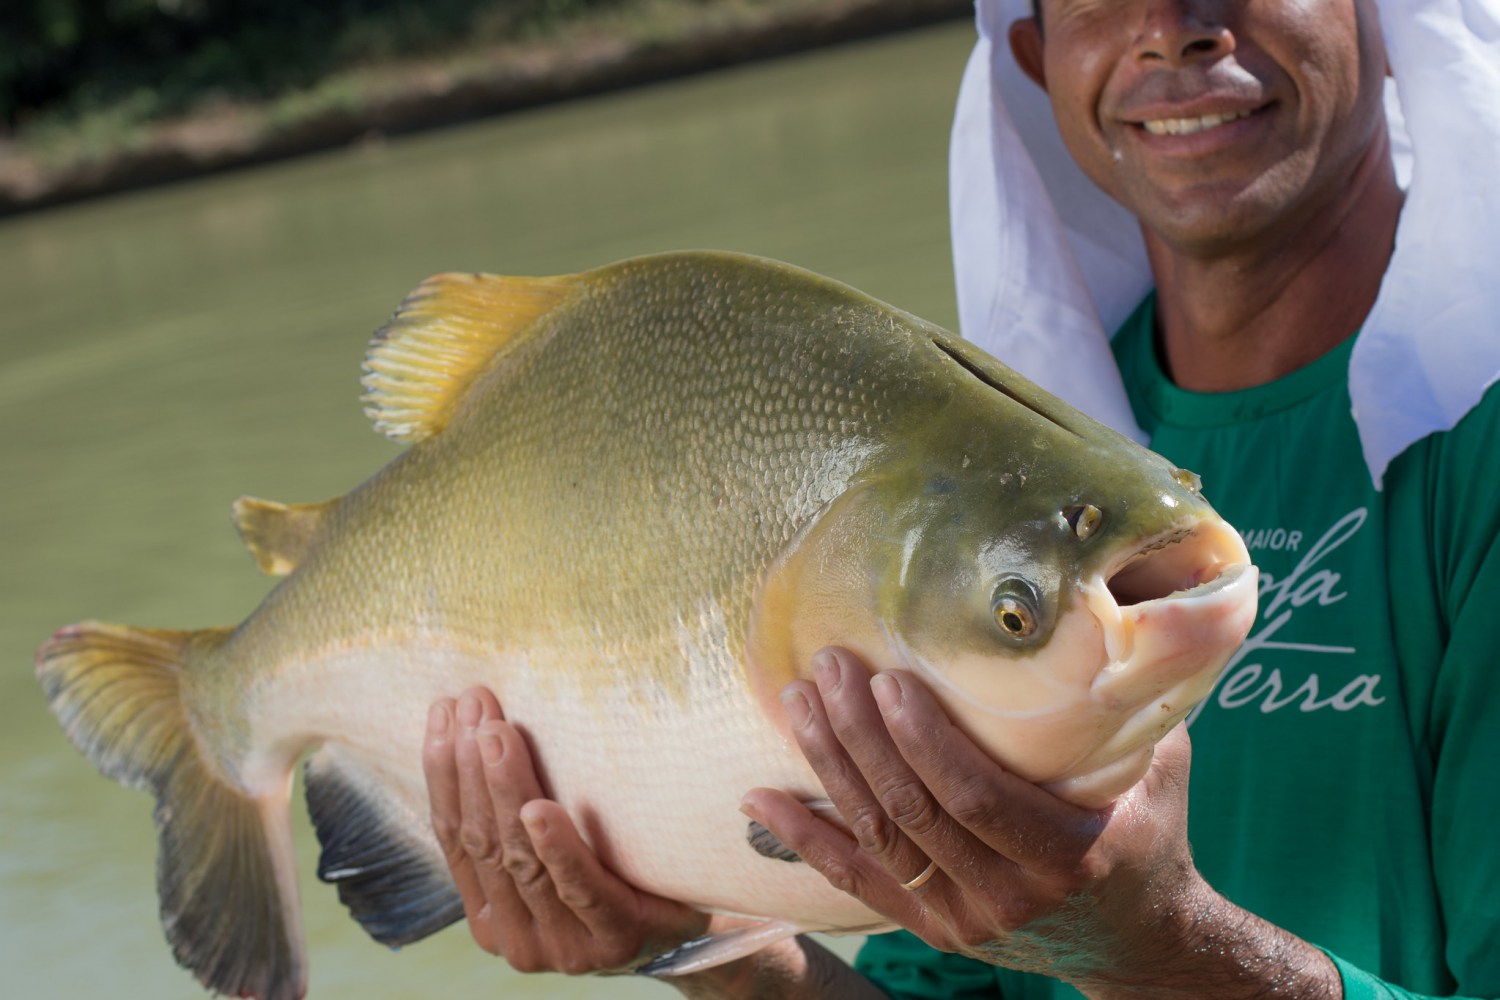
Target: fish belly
<point x="652" y="777"/>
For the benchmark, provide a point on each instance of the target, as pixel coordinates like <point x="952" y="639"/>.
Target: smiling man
<point x="1344" y="772"/>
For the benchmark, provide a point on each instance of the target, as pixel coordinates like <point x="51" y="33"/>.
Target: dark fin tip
<point x="395" y="889"/>
<point x="767" y="844"/>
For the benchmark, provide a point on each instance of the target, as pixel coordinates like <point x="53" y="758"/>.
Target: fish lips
<point x="1164" y="654"/>
<point x="1168" y="607"/>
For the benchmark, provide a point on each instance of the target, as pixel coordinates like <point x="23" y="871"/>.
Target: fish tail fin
<point x="384" y="859"/>
<point x="226" y="873"/>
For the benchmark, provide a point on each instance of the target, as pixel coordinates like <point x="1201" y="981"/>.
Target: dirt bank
<point x="407" y="97"/>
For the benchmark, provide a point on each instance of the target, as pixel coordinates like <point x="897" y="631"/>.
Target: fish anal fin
<point x="422" y="362"/>
<point x="717" y="949"/>
<point x="226" y="873"/>
<point x="278" y="534"/>
<point x="383" y="860"/>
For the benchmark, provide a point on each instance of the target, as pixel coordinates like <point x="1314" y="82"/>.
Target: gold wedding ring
<point x="921" y="879"/>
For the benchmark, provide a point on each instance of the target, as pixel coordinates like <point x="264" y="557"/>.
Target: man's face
<point x="1216" y="121"/>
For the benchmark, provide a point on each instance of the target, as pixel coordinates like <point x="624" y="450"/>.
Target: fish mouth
<point x="1172" y="611"/>
<point x="1195" y="575"/>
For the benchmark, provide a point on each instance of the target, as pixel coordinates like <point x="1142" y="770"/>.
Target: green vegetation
<point x="100" y="95"/>
<point x="64" y="61"/>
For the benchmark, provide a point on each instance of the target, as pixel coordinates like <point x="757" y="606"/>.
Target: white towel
<point x="1046" y="262"/>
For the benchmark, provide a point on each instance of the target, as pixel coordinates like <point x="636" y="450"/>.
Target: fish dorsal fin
<point x="422" y="362"/>
<point x="277" y="534"/>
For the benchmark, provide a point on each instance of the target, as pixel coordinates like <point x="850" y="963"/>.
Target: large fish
<point x="635" y="503"/>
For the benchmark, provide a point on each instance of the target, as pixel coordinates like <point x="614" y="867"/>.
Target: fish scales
<point x="636" y="501"/>
<point x="506" y="532"/>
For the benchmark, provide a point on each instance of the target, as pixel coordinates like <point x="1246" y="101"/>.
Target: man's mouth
<point x="1188" y="126"/>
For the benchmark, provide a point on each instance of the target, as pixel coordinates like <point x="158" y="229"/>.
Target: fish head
<point x="1067" y="595"/>
<point x="1069" y="621"/>
<point x="1071" y="596"/>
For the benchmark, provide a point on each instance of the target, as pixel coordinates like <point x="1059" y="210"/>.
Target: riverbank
<point x="635" y="45"/>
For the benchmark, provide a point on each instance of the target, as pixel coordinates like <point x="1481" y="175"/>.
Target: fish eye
<point x="1084" y="519"/>
<point x="1014" y="607"/>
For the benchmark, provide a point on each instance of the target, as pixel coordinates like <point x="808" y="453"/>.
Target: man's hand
<point x="533" y="891"/>
<point x="1106" y="899"/>
<point x="536" y="894"/>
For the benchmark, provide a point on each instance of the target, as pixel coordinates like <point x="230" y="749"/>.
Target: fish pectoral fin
<point x="385" y="862"/>
<point x="278" y="534"/>
<point x="421" y="363"/>
<point x="226" y="869"/>
<point x="768" y="845"/>
<point x="716" y="949"/>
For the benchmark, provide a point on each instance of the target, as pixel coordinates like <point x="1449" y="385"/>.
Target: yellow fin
<point x="277" y="534"/>
<point x="421" y="363"/>
<point x="226" y="869"/>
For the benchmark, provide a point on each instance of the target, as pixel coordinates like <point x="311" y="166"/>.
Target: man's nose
<point x="1177" y="32"/>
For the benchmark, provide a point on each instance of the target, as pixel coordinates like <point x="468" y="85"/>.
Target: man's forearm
<point x="796" y="969"/>
<point x="1221" y="952"/>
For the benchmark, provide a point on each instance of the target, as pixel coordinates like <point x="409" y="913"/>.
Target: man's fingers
<point x="510" y="781"/>
<point x="833" y="853"/>
<point x="843" y="777"/>
<point x="533" y="890"/>
<point x="613" y="912"/>
<point x="905" y="826"/>
<point x="1012" y="816"/>
<point x="480" y="766"/>
<point x="440" y="768"/>
<point x="582" y="884"/>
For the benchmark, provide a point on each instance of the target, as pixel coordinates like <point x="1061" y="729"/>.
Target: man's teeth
<point x="1187" y="126"/>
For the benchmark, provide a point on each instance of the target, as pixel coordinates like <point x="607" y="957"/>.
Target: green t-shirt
<point x="1346" y="769"/>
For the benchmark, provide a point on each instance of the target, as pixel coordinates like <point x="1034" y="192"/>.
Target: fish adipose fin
<point x="421" y="363"/>
<point x="278" y="534"/>
<point x="225" y="871"/>
<point x="381" y="856"/>
<point x="716" y="949"/>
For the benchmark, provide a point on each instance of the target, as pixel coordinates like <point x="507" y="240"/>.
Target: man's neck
<point x="1236" y="320"/>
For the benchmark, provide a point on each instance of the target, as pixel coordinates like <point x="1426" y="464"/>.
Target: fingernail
<point x="437" y="720"/>
<point x="490" y="748"/>
<point x="468" y="711"/>
<point x="796" y="706"/>
<point x="748" y="808"/>
<point x="536" y="823"/>
<point x="888" y="694"/>
<point x="826" y="672"/>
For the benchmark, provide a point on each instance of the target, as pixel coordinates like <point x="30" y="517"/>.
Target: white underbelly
<point x="653" y="777"/>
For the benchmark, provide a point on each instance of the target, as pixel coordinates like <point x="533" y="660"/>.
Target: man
<point x="1345" y="788"/>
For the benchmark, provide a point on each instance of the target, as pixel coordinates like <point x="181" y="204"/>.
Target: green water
<point x="165" y="352"/>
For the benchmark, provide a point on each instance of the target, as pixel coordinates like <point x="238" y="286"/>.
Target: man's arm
<point x="1107" y="900"/>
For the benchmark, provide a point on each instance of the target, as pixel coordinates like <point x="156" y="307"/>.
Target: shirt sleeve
<point x="1360" y="985"/>
<point x="906" y="968"/>
<point x="1464" y="726"/>
<point x="1450" y="501"/>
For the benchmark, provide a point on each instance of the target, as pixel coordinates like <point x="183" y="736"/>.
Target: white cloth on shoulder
<point x="1046" y="263"/>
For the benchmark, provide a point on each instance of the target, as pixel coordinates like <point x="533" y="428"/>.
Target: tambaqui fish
<point x="637" y="500"/>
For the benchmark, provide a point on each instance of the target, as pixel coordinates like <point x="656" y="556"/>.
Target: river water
<point x="164" y="352"/>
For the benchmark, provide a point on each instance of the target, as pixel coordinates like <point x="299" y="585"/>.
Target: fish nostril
<point x="1084" y="519"/>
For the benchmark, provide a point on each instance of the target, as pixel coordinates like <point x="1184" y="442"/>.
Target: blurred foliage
<point x="67" y="58"/>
